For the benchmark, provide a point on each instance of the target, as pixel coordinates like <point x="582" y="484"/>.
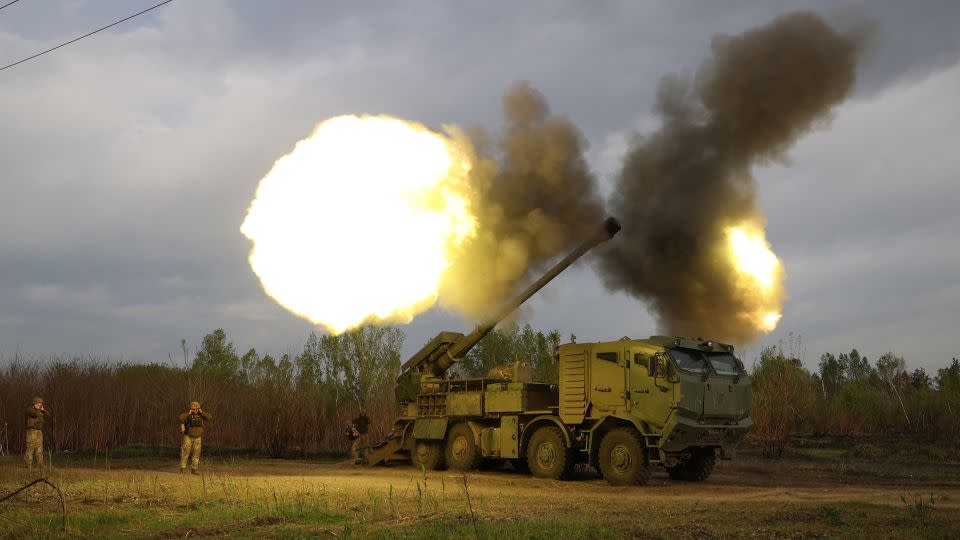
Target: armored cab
<point x="670" y="401"/>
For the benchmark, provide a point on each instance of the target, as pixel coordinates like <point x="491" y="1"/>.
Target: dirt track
<point x="747" y="480"/>
<point x="796" y="497"/>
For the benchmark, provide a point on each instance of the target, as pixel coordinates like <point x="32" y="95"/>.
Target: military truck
<point x="621" y="406"/>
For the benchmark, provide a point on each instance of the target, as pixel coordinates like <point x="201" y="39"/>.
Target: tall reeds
<point x="286" y="406"/>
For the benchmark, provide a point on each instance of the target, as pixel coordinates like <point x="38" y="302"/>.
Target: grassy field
<point x="817" y="490"/>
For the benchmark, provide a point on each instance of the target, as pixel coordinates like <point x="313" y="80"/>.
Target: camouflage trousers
<point x="34" y="448"/>
<point x="190" y="449"/>
<point x="356" y="445"/>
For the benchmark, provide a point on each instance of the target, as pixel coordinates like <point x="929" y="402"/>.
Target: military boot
<point x="194" y="471"/>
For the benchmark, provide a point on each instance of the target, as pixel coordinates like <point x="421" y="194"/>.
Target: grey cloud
<point x="863" y="220"/>
<point x="129" y="158"/>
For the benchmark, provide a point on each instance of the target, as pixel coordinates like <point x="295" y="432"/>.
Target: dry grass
<point x="269" y="498"/>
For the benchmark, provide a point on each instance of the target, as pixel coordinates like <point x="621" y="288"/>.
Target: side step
<point x="654" y="453"/>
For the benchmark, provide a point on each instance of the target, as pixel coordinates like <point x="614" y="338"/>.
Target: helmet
<point x="194" y="404"/>
<point x="37" y="399"/>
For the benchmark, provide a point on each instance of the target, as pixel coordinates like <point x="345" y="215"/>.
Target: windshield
<point x="724" y="364"/>
<point x="689" y="360"/>
<point x="696" y="362"/>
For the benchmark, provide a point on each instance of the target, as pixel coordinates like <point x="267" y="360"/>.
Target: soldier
<point x="35" y="417"/>
<point x="191" y="425"/>
<point x="362" y="425"/>
<point x="350" y="430"/>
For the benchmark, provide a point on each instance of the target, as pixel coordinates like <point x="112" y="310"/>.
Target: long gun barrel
<point x="462" y="345"/>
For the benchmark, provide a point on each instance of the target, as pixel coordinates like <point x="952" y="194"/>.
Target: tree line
<point x="849" y="395"/>
<point x="294" y="405"/>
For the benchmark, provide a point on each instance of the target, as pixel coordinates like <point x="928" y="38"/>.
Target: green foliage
<point x="858" y="367"/>
<point x="424" y="498"/>
<point x="217" y="355"/>
<point x="919" y="508"/>
<point x="920" y="380"/>
<point x="780" y="395"/>
<point x="365" y="361"/>
<point x="948" y="379"/>
<point x="891" y="368"/>
<point x="849" y="396"/>
<point x="248" y="363"/>
<point x="504" y="346"/>
<point x="833" y="372"/>
<point x="830" y="514"/>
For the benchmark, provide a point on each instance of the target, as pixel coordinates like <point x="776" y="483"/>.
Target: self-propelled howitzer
<point x="622" y="406"/>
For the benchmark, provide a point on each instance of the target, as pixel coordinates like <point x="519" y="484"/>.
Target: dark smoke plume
<point x="682" y="187"/>
<point x="535" y="199"/>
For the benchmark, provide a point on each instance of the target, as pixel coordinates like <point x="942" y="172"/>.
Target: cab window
<point x="689" y="360"/>
<point x="724" y="364"/>
<point x="609" y="356"/>
<point x="641" y="360"/>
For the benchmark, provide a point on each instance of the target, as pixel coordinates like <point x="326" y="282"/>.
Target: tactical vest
<point x="193" y="425"/>
<point x="34" y="422"/>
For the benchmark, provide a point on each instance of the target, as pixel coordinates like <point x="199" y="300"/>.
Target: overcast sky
<point x="128" y="160"/>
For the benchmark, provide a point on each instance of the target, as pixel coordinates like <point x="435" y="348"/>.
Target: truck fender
<point x="608" y="421"/>
<point x="430" y="428"/>
<point x="541" y="420"/>
<point x="476" y="428"/>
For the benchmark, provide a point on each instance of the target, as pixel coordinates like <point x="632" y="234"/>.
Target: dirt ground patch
<point x="797" y="497"/>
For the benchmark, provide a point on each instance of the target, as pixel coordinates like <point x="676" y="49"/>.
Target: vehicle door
<point x="722" y="395"/>
<point x="650" y="396"/>
<point x="692" y="373"/>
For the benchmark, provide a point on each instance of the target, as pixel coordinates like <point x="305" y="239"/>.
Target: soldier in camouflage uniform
<point x="191" y="425"/>
<point x="35" y="417"/>
<point x="358" y="429"/>
<point x="354" y="437"/>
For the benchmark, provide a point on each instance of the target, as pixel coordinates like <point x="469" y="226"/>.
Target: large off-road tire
<point x="462" y="452"/>
<point x="548" y="455"/>
<point x="623" y="458"/>
<point x="695" y="469"/>
<point x="429" y="455"/>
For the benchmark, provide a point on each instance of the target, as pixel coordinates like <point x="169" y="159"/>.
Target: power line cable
<point x="85" y="35"/>
<point x="9" y="4"/>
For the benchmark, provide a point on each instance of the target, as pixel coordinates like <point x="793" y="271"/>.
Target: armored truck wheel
<point x="462" y="451"/>
<point x="695" y="469"/>
<point x="548" y="455"/>
<point x="623" y="458"/>
<point x="429" y="455"/>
